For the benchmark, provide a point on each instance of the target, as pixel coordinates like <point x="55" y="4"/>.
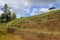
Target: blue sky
<point x="24" y="8"/>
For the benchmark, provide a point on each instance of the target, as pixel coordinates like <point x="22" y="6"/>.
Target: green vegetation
<point x="6" y="16"/>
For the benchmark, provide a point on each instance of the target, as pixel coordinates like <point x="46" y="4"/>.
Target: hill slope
<point x="49" y="20"/>
<point x="44" y="26"/>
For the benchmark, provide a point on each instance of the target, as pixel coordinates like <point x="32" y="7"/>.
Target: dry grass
<point x="10" y="37"/>
<point x="33" y="35"/>
<point x="39" y="27"/>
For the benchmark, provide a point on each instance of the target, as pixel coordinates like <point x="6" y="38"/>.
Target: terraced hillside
<point x="48" y="21"/>
<point x="44" y="26"/>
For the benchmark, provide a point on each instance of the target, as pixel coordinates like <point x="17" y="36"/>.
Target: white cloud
<point x="20" y="4"/>
<point x="2" y="3"/>
<point x="43" y="10"/>
<point x="25" y="3"/>
<point x="14" y="4"/>
<point x="34" y="12"/>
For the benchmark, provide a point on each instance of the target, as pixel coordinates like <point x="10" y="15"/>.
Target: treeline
<point x="7" y="15"/>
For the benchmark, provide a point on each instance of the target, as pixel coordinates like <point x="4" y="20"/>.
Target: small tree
<point x="13" y="16"/>
<point x="7" y="15"/>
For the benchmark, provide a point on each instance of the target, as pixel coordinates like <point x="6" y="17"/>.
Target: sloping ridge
<point x="44" y="26"/>
<point x="47" y="21"/>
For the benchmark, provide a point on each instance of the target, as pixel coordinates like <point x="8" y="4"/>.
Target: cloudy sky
<point x="24" y="8"/>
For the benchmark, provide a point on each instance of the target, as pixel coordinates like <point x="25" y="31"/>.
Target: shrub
<point x="10" y="30"/>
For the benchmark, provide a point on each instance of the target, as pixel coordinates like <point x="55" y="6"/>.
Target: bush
<point x="10" y="30"/>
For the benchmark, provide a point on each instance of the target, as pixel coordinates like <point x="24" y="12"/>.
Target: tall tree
<point x="6" y="8"/>
<point x="6" y="15"/>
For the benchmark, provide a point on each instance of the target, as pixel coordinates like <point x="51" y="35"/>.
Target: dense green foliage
<point x="7" y="16"/>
